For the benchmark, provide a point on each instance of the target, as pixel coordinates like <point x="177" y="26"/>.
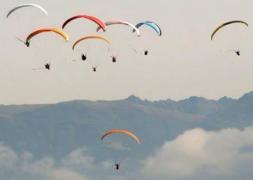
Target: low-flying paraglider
<point x="117" y="165"/>
<point x="121" y="131"/>
<point x="27" y="5"/>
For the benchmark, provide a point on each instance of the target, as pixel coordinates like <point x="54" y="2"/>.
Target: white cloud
<point x="198" y="152"/>
<point x="79" y="159"/>
<point x="117" y="146"/>
<point x="107" y="165"/>
<point x="42" y="167"/>
<point x="8" y="158"/>
<point x="25" y="167"/>
<point x="64" y="174"/>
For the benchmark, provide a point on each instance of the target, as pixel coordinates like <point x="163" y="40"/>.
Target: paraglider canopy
<point x="96" y="20"/>
<point x="151" y="25"/>
<point x="27" y="5"/>
<point x="120" y="22"/>
<point x="121" y="131"/>
<point x="39" y="31"/>
<point x="96" y="37"/>
<point x="226" y="24"/>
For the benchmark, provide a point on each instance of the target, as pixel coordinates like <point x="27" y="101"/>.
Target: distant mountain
<point x="57" y="129"/>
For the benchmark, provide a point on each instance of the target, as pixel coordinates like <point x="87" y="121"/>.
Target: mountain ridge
<point x="57" y="129"/>
<point x="133" y="98"/>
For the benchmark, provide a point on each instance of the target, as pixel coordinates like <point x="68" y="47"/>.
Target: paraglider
<point x="120" y="22"/>
<point x="237" y="52"/>
<point x="96" y="20"/>
<point x="90" y="37"/>
<point x="47" y="66"/>
<point x="154" y="26"/>
<point x="27" y="43"/>
<point x="43" y="30"/>
<point x="39" y="31"/>
<point x="121" y="131"/>
<point x="225" y="24"/>
<point x="114" y="59"/>
<point x="117" y="166"/>
<point x="150" y="24"/>
<point x="27" y="5"/>
<point x="84" y="57"/>
<point x="94" y="68"/>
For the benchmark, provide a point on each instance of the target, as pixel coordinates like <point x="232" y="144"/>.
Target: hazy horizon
<point x="124" y="98"/>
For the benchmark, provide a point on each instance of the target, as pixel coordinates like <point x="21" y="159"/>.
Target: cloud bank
<point x="198" y="153"/>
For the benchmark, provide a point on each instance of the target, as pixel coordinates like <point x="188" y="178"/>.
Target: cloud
<point x="25" y="167"/>
<point x="117" y="146"/>
<point x="8" y="158"/>
<point x="64" y="174"/>
<point x="78" y="165"/>
<point x="79" y="159"/>
<point x="200" y="153"/>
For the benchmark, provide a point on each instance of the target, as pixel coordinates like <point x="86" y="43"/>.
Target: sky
<point x="182" y="63"/>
